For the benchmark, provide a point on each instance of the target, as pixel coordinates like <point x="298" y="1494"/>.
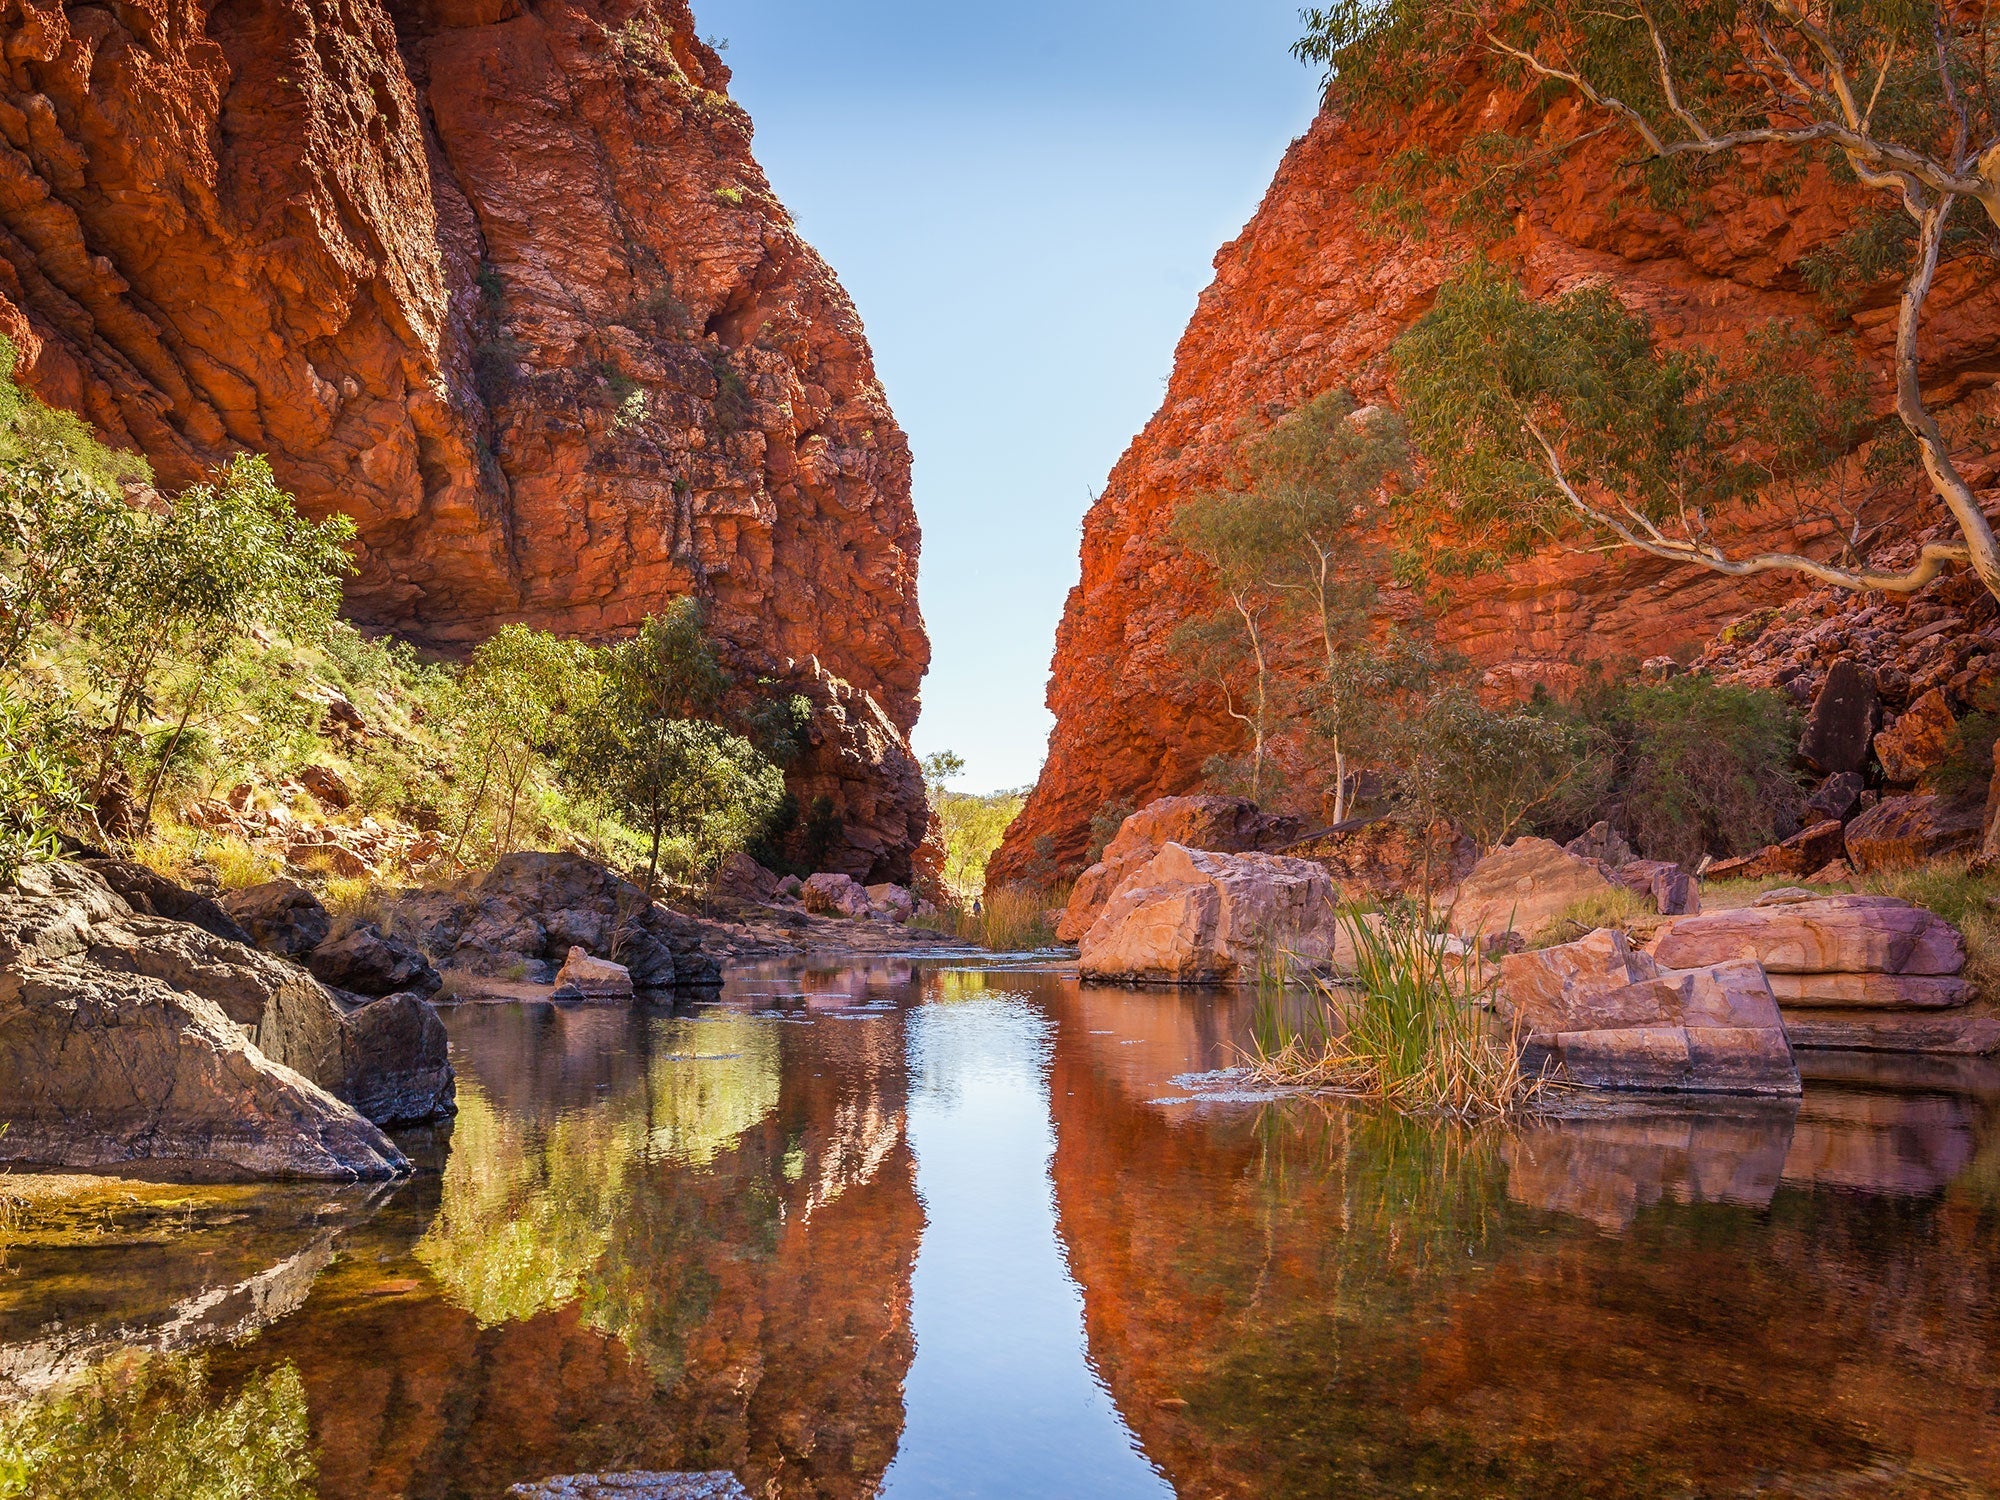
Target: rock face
<point x="1871" y="972"/>
<point x="1525" y="887"/>
<point x="129" y="1039"/>
<point x="1309" y="298"/>
<point x="1224" y="825"/>
<point x="529" y="910"/>
<point x="281" y="916"/>
<point x="502" y="282"/>
<point x="1191" y="916"/>
<point x="1909" y="830"/>
<point x="1611" y="1017"/>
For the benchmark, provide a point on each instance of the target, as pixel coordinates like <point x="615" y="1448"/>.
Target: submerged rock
<point x="717" y="1484"/>
<point x="1191" y="916"/>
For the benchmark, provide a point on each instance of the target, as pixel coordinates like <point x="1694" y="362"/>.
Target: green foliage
<point x="38" y="785"/>
<point x="1969" y="767"/>
<point x="1488" y="770"/>
<point x="1104" y="826"/>
<point x="150" y="1425"/>
<point x="65" y="541"/>
<point x="641" y="748"/>
<point x="1689" y="767"/>
<point x="34" y="433"/>
<point x="1846" y="269"/>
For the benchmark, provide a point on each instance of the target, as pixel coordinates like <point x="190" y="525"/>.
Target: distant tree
<point x="1288" y="542"/>
<point x="1571" y="416"/>
<point x="642" y="747"/>
<point x="1488" y="770"/>
<point x="506" y="717"/>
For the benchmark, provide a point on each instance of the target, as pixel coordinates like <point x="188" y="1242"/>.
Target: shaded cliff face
<point x="1311" y="297"/>
<point x="500" y="280"/>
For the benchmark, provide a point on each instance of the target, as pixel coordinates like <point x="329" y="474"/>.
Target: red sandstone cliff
<point x="1310" y="297"/>
<point x="501" y="280"/>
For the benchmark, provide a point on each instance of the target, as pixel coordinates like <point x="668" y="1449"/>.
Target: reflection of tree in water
<point x="1304" y="1302"/>
<point x="149" y="1425"/>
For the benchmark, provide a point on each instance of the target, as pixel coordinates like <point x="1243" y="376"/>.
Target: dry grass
<point x="1011" y="919"/>
<point x="1616" y="907"/>
<point x="1409" y="1030"/>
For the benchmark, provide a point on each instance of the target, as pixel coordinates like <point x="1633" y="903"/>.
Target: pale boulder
<point x="1224" y="825"/>
<point x="1192" y="916"/>
<point x="1607" y="1016"/>
<point x="1524" y="888"/>
<point x="831" y="895"/>
<point x="592" y="979"/>
<point x="893" y="902"/>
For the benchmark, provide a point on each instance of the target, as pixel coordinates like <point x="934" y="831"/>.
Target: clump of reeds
<point x="1407" y="1029"/>
<point x="1010" y="919"/>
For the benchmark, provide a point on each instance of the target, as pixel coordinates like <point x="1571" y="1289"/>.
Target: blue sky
<point x="1024" y="201"/>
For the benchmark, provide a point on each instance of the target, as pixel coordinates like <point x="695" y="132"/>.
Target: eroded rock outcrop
<point x="1223" y="825"/>
<point x="501" y="281"/>
<point x="136" y="1040"/>
<point x="1311" y="296"/>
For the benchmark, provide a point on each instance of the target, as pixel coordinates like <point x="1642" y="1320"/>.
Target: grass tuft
<point x="1011" y="919"/>
<point x="1408" y="1030"/>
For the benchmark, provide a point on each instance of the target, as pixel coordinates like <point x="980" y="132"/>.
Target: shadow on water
<point x="942" y="1230"/>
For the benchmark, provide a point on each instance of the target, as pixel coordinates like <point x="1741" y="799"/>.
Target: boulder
<point x="326" y="787"/>
<point x="790" y="886"/>
<point x="1837" y="796"/>
<point x="1609" y="1017"/>
<point x="1829" y="935"/>
<point x="396" y="1061"/>
<point x="1191" y="916"/>
<point x="368" y="963"/>
<point x="530" y="909"/>
<point x="1900" y="831"/>
<point x="741" y="878"/>
<point x="598" y="979"/>
<point x="832" y="895"/>
<point x="1841" y="725"/>
<point x="1524" y="888"/>
<point x="128" y="1039"/>
<point x="1380" y="859"/>
<point x="1671" y="889"/>
<point x="1225" y="825"/>
<point x="1602" y="843"/>
<point x="1919" y="741"/>
<point x="1805" y="851"/>
<point x="152" y="894"/>
<point x="281" y="916"/>
<point x="892" y="902"/>
<point x="66" y="916"/>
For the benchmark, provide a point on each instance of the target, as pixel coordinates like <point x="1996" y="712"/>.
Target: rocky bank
<point x="1312" y="295"/>
<point x="501" y="280"/>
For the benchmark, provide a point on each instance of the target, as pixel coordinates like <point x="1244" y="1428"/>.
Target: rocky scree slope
<point x="1312" y="295"/>
<point x="502" y="281"/>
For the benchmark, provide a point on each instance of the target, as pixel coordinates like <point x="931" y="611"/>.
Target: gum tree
<point x="1901" y="98"/>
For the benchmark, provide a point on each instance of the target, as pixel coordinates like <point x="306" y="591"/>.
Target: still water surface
<point x="932" y="1230"/>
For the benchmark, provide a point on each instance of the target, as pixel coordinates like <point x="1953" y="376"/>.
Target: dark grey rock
<point x="1841" y="726"/>
<point x="396" y="1061"/>
<point x="1838" y="795"/>
<point x="151" y="893"/>
<point x="368" y="962"/>
<point x="281" y="916"/>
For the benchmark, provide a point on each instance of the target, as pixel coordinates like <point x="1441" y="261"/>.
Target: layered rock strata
<point x="1311" y="296"/>
<point x="498" y="278"/>
<point x="132" y="1040"/>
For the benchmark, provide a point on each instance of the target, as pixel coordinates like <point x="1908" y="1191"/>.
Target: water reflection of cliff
<point x="1299" y="1301"/>
<point x="658" y="1242"/>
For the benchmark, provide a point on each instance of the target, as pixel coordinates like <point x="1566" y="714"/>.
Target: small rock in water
<point x="585" y="978"/>
<point x="717" y="1484"/>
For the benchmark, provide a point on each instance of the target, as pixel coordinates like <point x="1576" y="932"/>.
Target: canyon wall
<point x="1311" y="296"/>
<point x="501" y="280"/>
